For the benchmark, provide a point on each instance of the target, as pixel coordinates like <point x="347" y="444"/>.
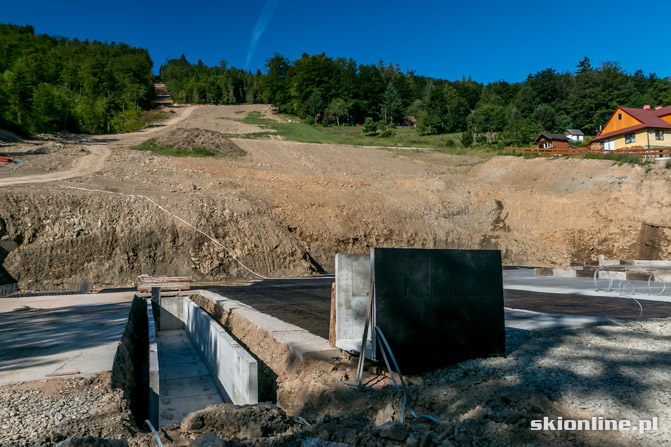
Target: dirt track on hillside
<point x="96" y="150"/>
<point x="287" y="208"/>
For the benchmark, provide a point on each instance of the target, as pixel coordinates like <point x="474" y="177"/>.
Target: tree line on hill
<point x="342" y="91"/>
<point x="55" y="84"/>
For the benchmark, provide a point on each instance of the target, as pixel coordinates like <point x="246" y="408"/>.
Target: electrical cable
<point x="151" y="427"/>
<point x="610" y="281"/>
<point x="640" y="314"/>
<point x="622" y="291"/>
<point x="651" y="278"/>
<point x="406" y="398"/>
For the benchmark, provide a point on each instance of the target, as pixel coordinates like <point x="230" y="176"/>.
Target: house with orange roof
<point x="629" y="127"/>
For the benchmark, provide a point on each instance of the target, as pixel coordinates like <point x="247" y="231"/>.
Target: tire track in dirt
<point x="94" y="161"/>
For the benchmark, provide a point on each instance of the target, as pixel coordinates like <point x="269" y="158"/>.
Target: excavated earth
<point x="286" y="208"/>
<point x="188" y="139"/>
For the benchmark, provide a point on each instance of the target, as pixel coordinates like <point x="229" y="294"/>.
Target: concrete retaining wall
<point x="171" y="314"/>
<point x="232" y="367"/>
<point x="153" y="367"/>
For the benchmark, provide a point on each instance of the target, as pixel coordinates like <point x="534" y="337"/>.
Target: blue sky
<point x="488" y="40"/>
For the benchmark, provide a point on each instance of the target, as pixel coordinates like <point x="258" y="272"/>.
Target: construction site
<point x="302" y="294"/>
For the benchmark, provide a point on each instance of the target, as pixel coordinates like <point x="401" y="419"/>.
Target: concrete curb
<point x="303" y="344"/>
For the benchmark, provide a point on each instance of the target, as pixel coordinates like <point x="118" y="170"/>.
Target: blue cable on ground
<point x="406" y="399"/>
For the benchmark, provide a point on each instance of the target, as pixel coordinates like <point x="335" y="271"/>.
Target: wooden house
<point x="574" y="135"/>
<point x="631" y="127"/>
<point x="552" y="141"/>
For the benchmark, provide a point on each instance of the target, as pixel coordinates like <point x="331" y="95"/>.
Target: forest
<point x="340" y="91"/>
<point x="54" y="84"/>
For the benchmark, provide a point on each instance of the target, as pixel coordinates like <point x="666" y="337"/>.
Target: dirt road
<point x="98" y="152"/>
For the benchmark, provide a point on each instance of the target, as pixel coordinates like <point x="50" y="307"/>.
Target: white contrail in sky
<point x="261" y="25"/>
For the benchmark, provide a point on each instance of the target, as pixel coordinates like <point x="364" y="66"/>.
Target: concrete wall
<point x="153" y="367"/>
<point x="352" y="287"/>
<point x="171" y="315"/>
<point x="232" y="367"/>
<point x="130" y="371"/>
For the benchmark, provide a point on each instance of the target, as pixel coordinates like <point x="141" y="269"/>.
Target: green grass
<point x="306" y="133"/>
<point x="619" y="159"/>
<point x="151" y="146"/>
<point x="401" y="138"/>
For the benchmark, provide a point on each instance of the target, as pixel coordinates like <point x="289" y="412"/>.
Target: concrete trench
<point x="174" y="359"/>
<point x="199" y="364"/>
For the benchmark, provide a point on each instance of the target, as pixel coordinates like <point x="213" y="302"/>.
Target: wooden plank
<point x="332" y="332"/>
<point x="71" y="373"/>
<point x="145" y="283"/>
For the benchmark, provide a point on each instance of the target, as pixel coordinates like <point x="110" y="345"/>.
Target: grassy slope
<point x="405" y="137"/>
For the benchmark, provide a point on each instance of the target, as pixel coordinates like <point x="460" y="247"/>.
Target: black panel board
<point x="438" y="306"/>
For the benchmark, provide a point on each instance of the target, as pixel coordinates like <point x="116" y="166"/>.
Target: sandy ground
<point x="286" y="208"/>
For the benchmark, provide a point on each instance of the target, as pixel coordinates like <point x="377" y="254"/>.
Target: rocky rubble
<point x="45" y="413"/>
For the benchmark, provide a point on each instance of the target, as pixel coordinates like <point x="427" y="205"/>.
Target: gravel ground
<point x="602" y="371"/>
<point x="42" y="413"/>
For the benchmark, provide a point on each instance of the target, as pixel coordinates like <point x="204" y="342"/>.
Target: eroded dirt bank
<point x="286" y="208"/>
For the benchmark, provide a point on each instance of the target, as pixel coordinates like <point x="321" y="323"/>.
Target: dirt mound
<point x="240" y="421"/>
<point x="192" y="138"/>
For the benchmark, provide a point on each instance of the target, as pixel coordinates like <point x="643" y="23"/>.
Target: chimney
<point x="658" y="107"/>
<point x="646" y="107"/>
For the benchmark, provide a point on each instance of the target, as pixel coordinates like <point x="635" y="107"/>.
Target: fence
<point x="13" y="290"/>
<point x="637" y="151"/>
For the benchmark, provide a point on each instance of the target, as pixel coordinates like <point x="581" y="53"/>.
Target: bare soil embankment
<point x="286" y="208"/>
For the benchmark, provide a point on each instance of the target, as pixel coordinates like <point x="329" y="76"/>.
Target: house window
<point x="619" y="116"/>
<point x="609" y="145"/>
<point x="659" y="135"/>
<point x="547" y="145"/>
<point x="630" y="138"/>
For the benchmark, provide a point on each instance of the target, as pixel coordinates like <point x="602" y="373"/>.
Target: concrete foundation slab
<point x="185" y="381"/>
<point x="154" y="373"/>
<point x="189" y="386"/>
<point x="183" y="370"/>
<point x="60" y="334"/>
<point x="530" y="320"/>
<point x="524" y="279"/>
<point x="173" y="410"/>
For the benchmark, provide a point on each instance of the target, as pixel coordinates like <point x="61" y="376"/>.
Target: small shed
<point x="575" y="135"/>
<point x="552" y="141"/>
